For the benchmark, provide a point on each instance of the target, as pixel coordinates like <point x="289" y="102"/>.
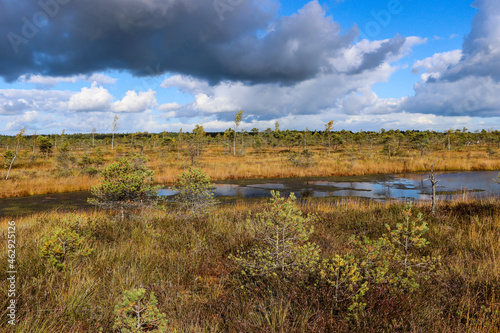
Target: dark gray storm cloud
<point x="210" y="39"/>
<point x="375" y="58"/>
<point x="65" y="37"/>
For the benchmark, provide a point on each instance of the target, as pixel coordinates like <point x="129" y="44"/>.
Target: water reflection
<point x="402" y="186"/>
<point x="235" y="190"/>
<point x="166" y="192"/>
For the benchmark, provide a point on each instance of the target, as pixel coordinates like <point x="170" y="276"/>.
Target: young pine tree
<point x="125" y="185"/>
<point x="282" y="246"/>
<point x="195" y="191"/>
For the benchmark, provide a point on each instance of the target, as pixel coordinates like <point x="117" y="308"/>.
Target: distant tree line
<point x="237" y="143"/>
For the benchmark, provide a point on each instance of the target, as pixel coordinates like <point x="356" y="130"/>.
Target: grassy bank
<point x="184" y="261"/>
<point x="45" y="176"/>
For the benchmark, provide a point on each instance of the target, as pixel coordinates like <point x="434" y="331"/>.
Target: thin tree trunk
<point x="10" y="166"/>
<point x="433" y="197"/>
<point x="433" y="181"/>
<point x="234" y="142"/>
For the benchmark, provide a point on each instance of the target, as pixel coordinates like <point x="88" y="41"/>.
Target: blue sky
<point x="367" y="65"/>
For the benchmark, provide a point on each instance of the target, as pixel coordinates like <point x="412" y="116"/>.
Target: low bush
<point x="63" y="245"/>
<point x="138" y="312"/>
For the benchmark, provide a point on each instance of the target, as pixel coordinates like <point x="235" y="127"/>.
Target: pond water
<point x="380" y="187"/>
<point x="451" y="185"/>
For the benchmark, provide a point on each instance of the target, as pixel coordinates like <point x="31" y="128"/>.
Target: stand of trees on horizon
<point x="272" y="140"/>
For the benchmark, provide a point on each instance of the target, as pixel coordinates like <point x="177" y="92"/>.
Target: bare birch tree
<point x="237" y="121"/>
<point x="115" y="126"/>
<point x="12" y="156"/>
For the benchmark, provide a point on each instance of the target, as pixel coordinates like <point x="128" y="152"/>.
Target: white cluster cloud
<point x="50" y="81"/>
<point x="98" y="98"/>
<point x="437" y="64"/>
<point x="469" y="96"/>
<point x="53" y="109"/>
<point x="18" y="101"/>
<point x="186" y="84"/>
<point x="136" y="102"/>
<point x="31" y="118"/>
<point x="94" y="98"/>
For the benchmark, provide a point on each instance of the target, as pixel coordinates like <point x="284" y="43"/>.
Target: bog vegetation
<point x="135" y="264"/>
<point x="41" y="164"/>
<point x="275" y="265"/>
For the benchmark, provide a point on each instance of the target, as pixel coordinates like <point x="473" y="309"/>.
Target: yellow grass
<point x="185" y="263"/>
<point x="42" y="177"/>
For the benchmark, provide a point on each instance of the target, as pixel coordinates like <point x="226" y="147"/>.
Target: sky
<point x="169" y="64"/>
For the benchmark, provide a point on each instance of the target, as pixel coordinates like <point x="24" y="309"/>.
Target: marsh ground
<point x="184" y="261"/>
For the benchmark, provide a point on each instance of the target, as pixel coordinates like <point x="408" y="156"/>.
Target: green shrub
<point x="394" y="257"/>
<point x="62" y="245"/>
<point x="125" y="185"/>
<point x="8" y="156"/>
<point x="282" y="250"/>
<point x="281" y="234"/>
<point x="138" y="313"/>
<point x="85" y="161"/>
<point x="345" y="276"/>
<point x="402" y="241"/>
<point x="90" y="171"/>
<point x="195" y="191"/>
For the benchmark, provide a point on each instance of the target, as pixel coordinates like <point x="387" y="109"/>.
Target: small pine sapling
<point x="125" y="185"/>
<point x="281" y="234"/>
<point x="195" y="191"/>
<point x="137" y="312"/>
<point x="406" y="237"/>
<point x="62" y="245"/>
